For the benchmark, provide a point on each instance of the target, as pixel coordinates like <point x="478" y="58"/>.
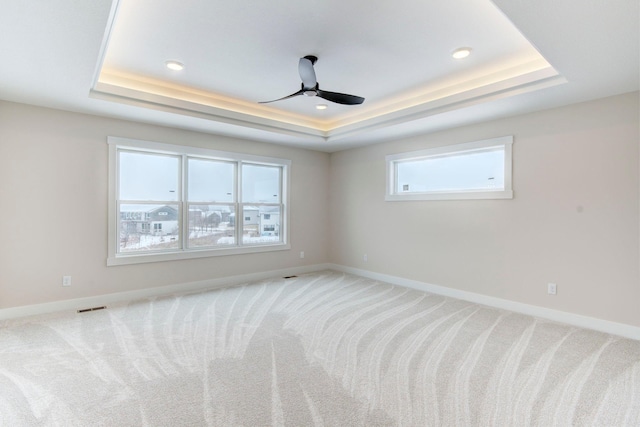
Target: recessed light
<point x="462" y="52"/>
<point x="321" y="106"/>
<point x="174" y="65"/>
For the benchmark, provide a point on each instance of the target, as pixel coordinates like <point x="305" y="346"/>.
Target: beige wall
<point x="53" y="186"/>
<point x="574" y="220"/>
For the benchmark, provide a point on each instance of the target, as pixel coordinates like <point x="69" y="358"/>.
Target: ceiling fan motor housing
<point x="310" y="91"/>
<point x="311" y="58"/>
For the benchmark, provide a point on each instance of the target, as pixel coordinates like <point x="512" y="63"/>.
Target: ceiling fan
<point x="310" y="86"/>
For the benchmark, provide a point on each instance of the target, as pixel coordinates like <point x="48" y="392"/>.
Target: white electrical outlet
<point x="66" y="280"/>
<point x="552" y="288"/>
<point x="301" y="254"/>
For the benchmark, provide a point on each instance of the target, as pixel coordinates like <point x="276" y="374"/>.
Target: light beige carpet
<point x="320" y="349"/>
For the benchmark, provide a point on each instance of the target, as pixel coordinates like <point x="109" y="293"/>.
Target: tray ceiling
<point x="107" y="57"/>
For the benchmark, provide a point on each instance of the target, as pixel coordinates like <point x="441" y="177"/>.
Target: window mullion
<point x="184" y="197"/>
<point x="239" y="204"/>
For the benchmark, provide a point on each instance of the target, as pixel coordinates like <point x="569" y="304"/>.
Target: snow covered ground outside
<point x="149" y="242"/>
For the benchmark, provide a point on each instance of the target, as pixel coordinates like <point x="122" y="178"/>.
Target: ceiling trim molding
<point x="517" y="85"/>
<point x="175" y="99"/>
<point x="105" y="42"/>
<point x="131" y="97"/>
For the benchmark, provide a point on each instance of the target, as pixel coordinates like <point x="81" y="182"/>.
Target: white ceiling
<point x="107" y="58"/>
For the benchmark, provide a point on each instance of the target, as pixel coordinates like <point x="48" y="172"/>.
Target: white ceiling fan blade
<point x="307" y="73"/>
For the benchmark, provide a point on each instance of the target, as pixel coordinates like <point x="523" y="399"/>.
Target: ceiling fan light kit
<point x="461" y="53"/>
<point x="174" y="65"/>
<point x="311" y="87"/>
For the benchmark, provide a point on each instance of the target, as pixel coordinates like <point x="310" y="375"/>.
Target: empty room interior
<point x="414" y="213"/>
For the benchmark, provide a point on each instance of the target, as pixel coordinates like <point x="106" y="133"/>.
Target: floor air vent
<point x="84" y="310"/>
<point x="289" y="277"/>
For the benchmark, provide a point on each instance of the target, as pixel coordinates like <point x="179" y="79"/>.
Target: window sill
<point x="133" y="258"/>
<point x="466" y="195"/>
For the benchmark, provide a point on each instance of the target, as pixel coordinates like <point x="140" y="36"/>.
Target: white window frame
<point x="504" y="142"/>
<point x="118" y="258"/>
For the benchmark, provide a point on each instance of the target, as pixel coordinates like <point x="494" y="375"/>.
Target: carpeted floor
<point x="321" y="349"/>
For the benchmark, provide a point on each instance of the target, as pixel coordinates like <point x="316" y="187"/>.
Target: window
<point x="173" y="202"/>
<point x="475" y="170"/>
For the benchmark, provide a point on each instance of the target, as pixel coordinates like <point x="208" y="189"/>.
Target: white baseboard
<point x="100" y="300"/>
<point x="621" y="329"/>
<point x="601" y="325"/>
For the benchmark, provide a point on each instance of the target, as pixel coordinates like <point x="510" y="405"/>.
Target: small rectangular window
<point x="475" y="170"/>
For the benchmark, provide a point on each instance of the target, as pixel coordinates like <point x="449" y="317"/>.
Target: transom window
<point x="475" y="170"/>
<point x="175" y="202"/>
